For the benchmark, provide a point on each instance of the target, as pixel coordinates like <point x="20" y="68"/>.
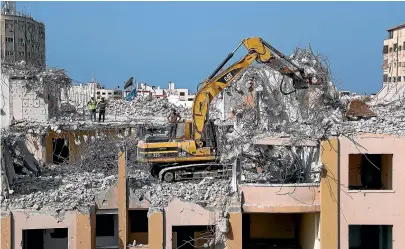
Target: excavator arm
<point x="258" y="50"/>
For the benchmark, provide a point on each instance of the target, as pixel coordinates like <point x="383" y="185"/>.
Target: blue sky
<point x="185" y="41"/>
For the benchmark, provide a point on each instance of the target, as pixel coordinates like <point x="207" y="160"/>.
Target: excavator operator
<point x="173" y="119"/>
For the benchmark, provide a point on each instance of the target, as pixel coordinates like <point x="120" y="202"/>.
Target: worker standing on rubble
<point x="92" y="108"/>
<point x="173" y="119"/>
<point x="101" y="105"/>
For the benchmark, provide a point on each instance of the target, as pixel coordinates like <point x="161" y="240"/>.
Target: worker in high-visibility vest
<point x="92" y="108"/>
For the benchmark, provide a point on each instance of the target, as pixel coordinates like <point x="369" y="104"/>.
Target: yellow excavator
<point x="189" y="156"/>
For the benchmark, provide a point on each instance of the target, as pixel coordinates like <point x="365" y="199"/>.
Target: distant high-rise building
<point x="394" y="55"/>
<point x="22" y="38"/>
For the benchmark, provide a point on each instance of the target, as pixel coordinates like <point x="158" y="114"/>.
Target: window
<point x="389" y="79"/>
<point x="21" y="40"/>
<point x="109" y="93"/>
<point x="370" y="171"/>
<point x="400" y="48"/>
<point x="390" y="49"/>
<point x="385" y="77"/>
<point x="98" y="97"/>
<point x="103" y="93"/>
<point x="29" y="54"/>
<point x="370" y="236"/>
<point x="138" y="221"/>
<point x="9" y="53"/>
<point x="190" y="99"/>
<point x="399" y="79"/>
<point x="98" y="92"/>
<point x="59" y="233"/>
<point x="395" y="47"/>
<point x="9" y="39"/>
<point x="182" y="94"/>
<point x="105" y="225"/>
<point x="390" y="34"/>
<point x="385" y="49"/>
<point x="117" y="93"/>
<point x="394" y="79"/>
<point x="21" y="53"/>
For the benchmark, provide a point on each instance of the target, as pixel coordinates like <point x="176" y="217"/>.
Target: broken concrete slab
<point x="358" y="109"/>
<point x="281" y="141"/>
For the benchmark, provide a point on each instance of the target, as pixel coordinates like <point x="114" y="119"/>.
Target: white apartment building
<point x="393" y="66"/>
<point x="81" y="94"/>
<point x="180" y="96"/>
<point x="109" y="94"/>
<point x="394" y="55"/>
<point x="143" y="89"/>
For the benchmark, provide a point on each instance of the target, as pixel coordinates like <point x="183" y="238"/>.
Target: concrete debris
<point x="358" y="109"/>
<point x="58" y="188"/>
<point x="18" y="156"/>
<point x="72" y="186"/>
<point x="145" y="107"/>
<point x="281" y="164"/>
<point x="208" y="193"/>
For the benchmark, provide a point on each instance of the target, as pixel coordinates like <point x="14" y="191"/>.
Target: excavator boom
<point x="258" y="50"/>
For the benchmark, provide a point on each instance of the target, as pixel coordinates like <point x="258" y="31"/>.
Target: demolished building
<point x="299" y="178"/>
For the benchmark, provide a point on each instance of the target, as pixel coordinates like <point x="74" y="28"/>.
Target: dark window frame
<point x="59" y="233"/>
<point x="385" y="49"/>
<point x="138" y="221"/>
<point x="105" y="225"/>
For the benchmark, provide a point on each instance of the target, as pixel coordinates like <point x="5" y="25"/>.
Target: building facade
<point x="394" y="55"/>
<point x="353" y="206"/>
<point x="22" y="39"/>
<point x="179" y="96"/>
<point x="81" y="94"/>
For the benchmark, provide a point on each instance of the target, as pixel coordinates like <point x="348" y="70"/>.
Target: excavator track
<point x="192" y="171"/>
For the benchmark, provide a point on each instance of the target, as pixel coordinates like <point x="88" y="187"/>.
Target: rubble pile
<point x="58" y="187"/>
<point x="281" y="112"/>
<point x="389" y="119"/>
<point x="145" y="107"/>
<point x="209" y="193"/>
<point x="281" y="164"/>
<point x="73" y="185"/>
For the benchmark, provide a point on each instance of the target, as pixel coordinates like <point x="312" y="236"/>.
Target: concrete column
<point x="122" y="202"/>
<point x="72" y="147"/>
<point x="85" y="230"/>
<point x="329" y="194"/>
<point x="234" y="237"/>
<point x="6" y="230"/>
<point x="155" y="230"/>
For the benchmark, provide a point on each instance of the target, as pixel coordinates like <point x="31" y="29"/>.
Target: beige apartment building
<point x="394" y="55"/>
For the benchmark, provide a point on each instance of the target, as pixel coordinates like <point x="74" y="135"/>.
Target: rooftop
<point x="397" y="27"/>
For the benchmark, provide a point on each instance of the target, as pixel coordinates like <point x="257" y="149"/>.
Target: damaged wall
<point x="179" y="213"/>
<point x="78" y="225"/>
<point x="31" y="102"/>
<point x="282" y="198"/>
<point x="5" y="101"/>
<point x="373" y="207"/>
